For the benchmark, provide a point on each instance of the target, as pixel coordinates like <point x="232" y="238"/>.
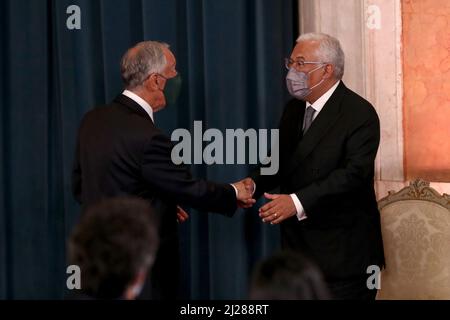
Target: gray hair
<point x="329" y="51"/>
<point x="139" y="62"/>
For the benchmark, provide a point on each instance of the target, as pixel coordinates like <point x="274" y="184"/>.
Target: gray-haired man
<point x="120" y="151"/>
<point x="329" y="137"/>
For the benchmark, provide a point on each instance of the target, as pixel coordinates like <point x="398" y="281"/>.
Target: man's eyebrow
<point x="299" y="57"/>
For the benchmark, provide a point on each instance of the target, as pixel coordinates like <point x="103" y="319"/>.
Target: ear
<point x="329" y="71"/>
<point x="153" y="82"/>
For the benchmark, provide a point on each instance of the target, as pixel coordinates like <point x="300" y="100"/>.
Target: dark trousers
<point x="351" y="289"/>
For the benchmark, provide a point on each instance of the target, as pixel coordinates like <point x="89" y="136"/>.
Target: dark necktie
<point x="308" y="118"/>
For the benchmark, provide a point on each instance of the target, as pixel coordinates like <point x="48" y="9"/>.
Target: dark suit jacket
<point x="121" y="152"/>
<point x="331" y="170"/>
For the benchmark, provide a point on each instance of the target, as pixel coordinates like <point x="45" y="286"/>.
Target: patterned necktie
<point x="308" y="118"/>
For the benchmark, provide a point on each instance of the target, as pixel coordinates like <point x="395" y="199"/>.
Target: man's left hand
<point x="280" y="208"/>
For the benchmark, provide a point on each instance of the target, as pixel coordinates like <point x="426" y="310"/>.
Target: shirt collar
<point x="320" y="103"/>
<point x="133" y="96"/>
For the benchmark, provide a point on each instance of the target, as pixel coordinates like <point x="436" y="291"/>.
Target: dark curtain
<point x="230" y="55"/>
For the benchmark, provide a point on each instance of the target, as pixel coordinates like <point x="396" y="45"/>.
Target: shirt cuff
<point x="235" y="190"/>
<point x="301" y="215"/>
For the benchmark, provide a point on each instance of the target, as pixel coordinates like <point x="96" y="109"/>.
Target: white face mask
<point x="297" y="83"/>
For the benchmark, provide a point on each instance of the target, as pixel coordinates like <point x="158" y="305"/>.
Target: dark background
<point x="230" y="56"/>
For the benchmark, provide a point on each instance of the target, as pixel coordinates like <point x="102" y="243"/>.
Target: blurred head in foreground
<point x="114" y="245"/>
<point x="288" y="276"/>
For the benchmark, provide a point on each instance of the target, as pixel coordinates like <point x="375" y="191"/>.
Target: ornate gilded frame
<point x="417" y="190"/>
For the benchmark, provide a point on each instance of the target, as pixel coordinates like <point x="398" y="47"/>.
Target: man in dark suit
<point x="120" y="151"/>
<point x="329" y="138"/>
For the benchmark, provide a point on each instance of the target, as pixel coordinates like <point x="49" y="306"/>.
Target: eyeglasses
<point x="289" y="63"/>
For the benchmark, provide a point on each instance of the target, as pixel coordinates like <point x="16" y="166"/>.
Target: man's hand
<point x="280" y="208"/>
<point x="249" y="185"/>
<point x="245" y="192"/>
<point x="182" y="215"/>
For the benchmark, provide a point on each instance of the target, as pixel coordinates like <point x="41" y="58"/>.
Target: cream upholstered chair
<point x="416" y="236"/>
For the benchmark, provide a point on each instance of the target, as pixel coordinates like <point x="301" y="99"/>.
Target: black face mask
<point x="172" y="89"/>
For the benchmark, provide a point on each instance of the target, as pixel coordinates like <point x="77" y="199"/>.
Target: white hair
<point x="329" y="51"/>
<point x="142" y="60"/>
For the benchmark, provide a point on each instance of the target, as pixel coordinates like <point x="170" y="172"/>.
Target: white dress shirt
<point x="318" y="106"/>
<point x="133" y="96"/>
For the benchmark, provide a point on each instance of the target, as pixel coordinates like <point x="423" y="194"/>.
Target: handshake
<point x="245" y="190"/>
<point x="279" y="208"/>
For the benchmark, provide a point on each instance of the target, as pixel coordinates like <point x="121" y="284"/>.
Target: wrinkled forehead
<point x="305" y="50"/>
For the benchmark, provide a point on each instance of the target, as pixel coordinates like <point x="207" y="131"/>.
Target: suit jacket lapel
<point x="133" y="105"/>
<point x="299" y="122"/>
<point x="326" y="118"/>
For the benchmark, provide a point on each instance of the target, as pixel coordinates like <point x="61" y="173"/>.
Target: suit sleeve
<point x="361" y="149"/>
<point x="264" y="183"/>
<point x="175" y="182"/>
